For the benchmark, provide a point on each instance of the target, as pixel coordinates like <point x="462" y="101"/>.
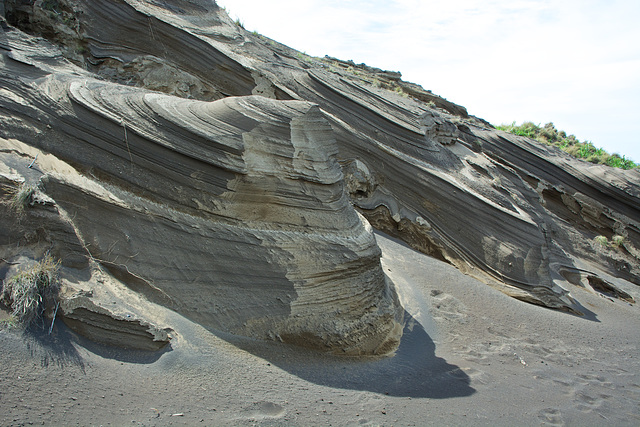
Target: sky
<point x="575" y="63"/>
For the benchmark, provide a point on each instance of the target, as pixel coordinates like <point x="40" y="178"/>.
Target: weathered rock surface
<point x="231" y="212"/>
<point x="205" y="167"/>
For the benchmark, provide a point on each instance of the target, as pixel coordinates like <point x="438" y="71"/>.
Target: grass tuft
<point x="304" y="57"/>
<point x="618" y="240"/>
<point x="548" y="134"/>
<point x="602" y="241"/>
<point x="23" y="197"/>
<point x="29" y="292"/>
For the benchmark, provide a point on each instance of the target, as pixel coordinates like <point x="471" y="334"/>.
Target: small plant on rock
<point x="304" y="57"/>
<point x="23" y="197"/>
<point x="29" y="292"/>
<point x="618" y="241"/>
<point x="602" y="241"/>
<point x="585" y="150"/>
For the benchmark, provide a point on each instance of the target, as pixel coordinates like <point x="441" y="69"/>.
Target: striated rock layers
<point x="204" y="168"/>
<point x="232" y="212"/>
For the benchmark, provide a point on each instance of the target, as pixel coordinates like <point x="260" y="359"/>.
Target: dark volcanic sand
<point x="470" y="356"/>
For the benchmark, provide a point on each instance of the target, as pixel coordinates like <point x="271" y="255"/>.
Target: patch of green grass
<point x="618" y="240"/>
<point x="617" y="161"/>
<point x="548" y="134"/>
<point x="528" y="129"/>
<point x="400" y="91"/>
<point x="29" y="292"/>
<point x="304" y="57"/>
<point x="602" y="241"/>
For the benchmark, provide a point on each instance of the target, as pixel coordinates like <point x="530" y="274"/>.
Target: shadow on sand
<point x="413" y="371"/>
<point x="60" y="347"/>
<point x="53" y="349"/>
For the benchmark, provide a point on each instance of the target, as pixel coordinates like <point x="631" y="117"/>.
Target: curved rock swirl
<point x="517" y="215"/>
<point x="232" y="212"/>
<point x="432" y="196"/>
<point x="521" y="217"/>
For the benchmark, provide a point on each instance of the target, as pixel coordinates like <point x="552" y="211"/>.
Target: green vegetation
<point x="398" y="89"/>
<point x="29" y="292"/>
<point x="304" y="57"/>
<point x="618" y="241"/>
<point x="602" y="241"/>
<point x="548" y="134"/>
<point x="23" y="197"/>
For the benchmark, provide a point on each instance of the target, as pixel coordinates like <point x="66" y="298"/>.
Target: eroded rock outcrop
<point x="231" y="212"/>
<point x="181" y="127"/>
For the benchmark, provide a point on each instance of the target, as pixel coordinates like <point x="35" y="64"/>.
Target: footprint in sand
<point x="263" y="410"/>
<point x="596" y="379"/>
<point x="551" y="416"/>
<point x="477" y="376"/>
<point x="589" y="403"/>
<point x="447" y="306"/>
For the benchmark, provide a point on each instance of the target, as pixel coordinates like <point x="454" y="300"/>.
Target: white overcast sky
<point x="573" y="62"/>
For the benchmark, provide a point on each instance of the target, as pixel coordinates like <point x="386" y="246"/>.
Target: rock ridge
<point x="176" y="119"/>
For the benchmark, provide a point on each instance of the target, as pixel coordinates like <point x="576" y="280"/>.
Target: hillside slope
<point x="192" y="159"/>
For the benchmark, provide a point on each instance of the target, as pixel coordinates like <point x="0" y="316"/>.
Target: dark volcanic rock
<point x="202" y="171"/>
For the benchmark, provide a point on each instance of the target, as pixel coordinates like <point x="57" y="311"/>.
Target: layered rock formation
<point x="231" y="212"/>
<point x="205" y="167"/>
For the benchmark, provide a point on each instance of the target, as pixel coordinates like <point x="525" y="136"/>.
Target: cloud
<point x="573" y="62"/>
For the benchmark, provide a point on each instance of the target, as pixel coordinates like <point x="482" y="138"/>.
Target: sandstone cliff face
<point x="231" y="212"/>
<point x="214" y="170"/>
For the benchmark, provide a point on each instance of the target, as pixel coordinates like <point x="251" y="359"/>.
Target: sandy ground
<point x="470" y="356"/>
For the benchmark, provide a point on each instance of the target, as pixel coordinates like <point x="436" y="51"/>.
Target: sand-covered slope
<point x="211" y="197"/>
<point x="213" y="170"/>
<point x="470" y="355"/>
